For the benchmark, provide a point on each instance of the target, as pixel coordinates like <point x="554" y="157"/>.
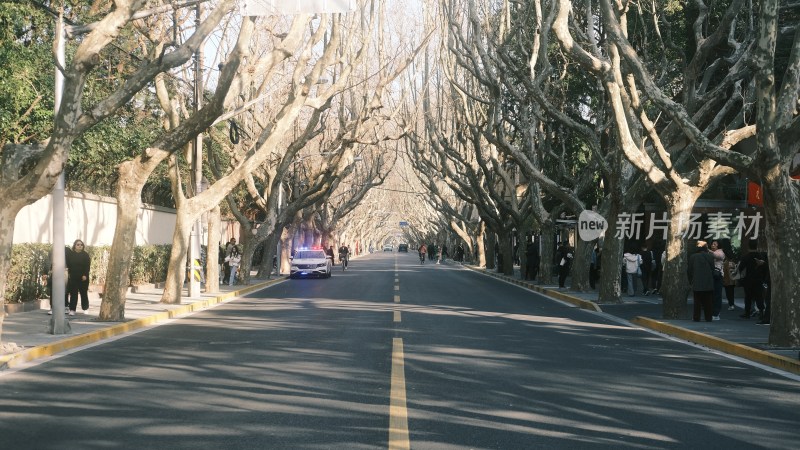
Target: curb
<point x="42" y="351"/>
<point x="713" y="342"/>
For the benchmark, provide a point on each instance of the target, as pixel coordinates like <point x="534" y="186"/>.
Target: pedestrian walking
<point x="701" y="278"/>
<point x="563" y="258"/>
<point x="78" y="265"/>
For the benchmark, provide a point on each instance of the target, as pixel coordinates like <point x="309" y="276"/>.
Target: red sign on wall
<point x="755" y="197"/>
<point x="794" y="168"/>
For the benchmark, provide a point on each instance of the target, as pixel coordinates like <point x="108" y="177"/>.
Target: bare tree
<point x="72" y="120"/>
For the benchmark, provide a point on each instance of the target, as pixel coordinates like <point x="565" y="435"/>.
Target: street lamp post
<point x="195" y="266"/>
<point x="58" y="262"/>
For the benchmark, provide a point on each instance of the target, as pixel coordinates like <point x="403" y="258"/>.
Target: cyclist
<point x="344" y="254"/>
<point x="423" y="250"/>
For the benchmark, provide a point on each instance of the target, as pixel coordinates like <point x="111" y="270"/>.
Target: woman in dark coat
<point x="78" y="264"/>
<point x="701" y="277"/>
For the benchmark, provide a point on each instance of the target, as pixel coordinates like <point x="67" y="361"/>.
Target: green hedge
<point x="23" y="280"/>
<point x="30" y="261"/>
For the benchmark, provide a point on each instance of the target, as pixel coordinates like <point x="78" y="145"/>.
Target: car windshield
<point x="310" y="254"/>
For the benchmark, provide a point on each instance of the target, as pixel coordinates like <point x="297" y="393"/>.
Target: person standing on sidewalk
<point x="701" y="277"/>
<point x="728" y="282"/>
<point x="767" y="285"/>
<point x="648" y="263"/>
<point x="594" y="266"/>
<point x="753" y="281"/>
<point x="719" y="261"/>
<point x="632" y="263"/>
<point x="78" y="265"/>
<point x="234" y="259"/>
<point x="228" y="249"/>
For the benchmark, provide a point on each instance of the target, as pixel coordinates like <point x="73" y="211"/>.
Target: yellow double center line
<point x="398" y="413"/>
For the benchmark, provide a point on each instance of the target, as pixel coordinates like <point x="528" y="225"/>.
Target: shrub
<point x="30" y="261"/>
<point x="24" y="278"/>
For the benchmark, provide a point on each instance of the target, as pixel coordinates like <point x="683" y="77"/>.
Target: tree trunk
<point x="490" y="250"/>
<point x="579" y="273"/>
<point x="675" y="282"/>
<point x="547" y="253"/>
<point x="248" y="249"/>
<point x="176" y="274"/>
<point x="129" y="202"/>
<point x="523" y="258"/>
<point x="286" y="250"/>
<point x="265" y="270"/>
<point x="507" y="252"/>
<point x="480" y="244"/>
<point x="782" y="215"/>
<point x="610" y="265"/>
<point x="212" y="251"/>
<point x="610" y="287"/>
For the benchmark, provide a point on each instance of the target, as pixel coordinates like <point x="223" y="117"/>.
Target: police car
<point x="312" y="262"/>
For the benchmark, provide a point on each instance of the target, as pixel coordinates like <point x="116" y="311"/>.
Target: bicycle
<point x="422" y="258"/>
<point x="343" y="260"/>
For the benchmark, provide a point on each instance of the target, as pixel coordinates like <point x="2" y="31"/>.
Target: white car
<point x="310" y="263"/>
<point x="388" y="247"/>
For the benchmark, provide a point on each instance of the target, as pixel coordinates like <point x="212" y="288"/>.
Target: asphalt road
<point x="393" y="354"/>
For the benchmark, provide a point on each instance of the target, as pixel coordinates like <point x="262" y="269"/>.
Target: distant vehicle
<point x="402" y="248"/>
<point x="388" y="247"/>
<point x="311" y="263"/>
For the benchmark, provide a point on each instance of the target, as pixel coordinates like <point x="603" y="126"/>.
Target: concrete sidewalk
<point x="732" y="334"/>
<point x="28" y="330"/>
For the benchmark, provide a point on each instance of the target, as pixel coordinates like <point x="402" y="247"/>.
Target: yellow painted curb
<point x="732" y="348"/>
<point x="43" y="351"/>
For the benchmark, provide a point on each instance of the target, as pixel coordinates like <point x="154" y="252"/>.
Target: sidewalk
<point x="731" y="334"/>
<point x="28" y="330"/>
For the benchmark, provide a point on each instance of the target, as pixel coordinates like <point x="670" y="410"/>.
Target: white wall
<point x="93" y="219"/>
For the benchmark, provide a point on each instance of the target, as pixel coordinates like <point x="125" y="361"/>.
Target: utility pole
<point x="58" y="262"/>
<point x="195" y="268"/>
